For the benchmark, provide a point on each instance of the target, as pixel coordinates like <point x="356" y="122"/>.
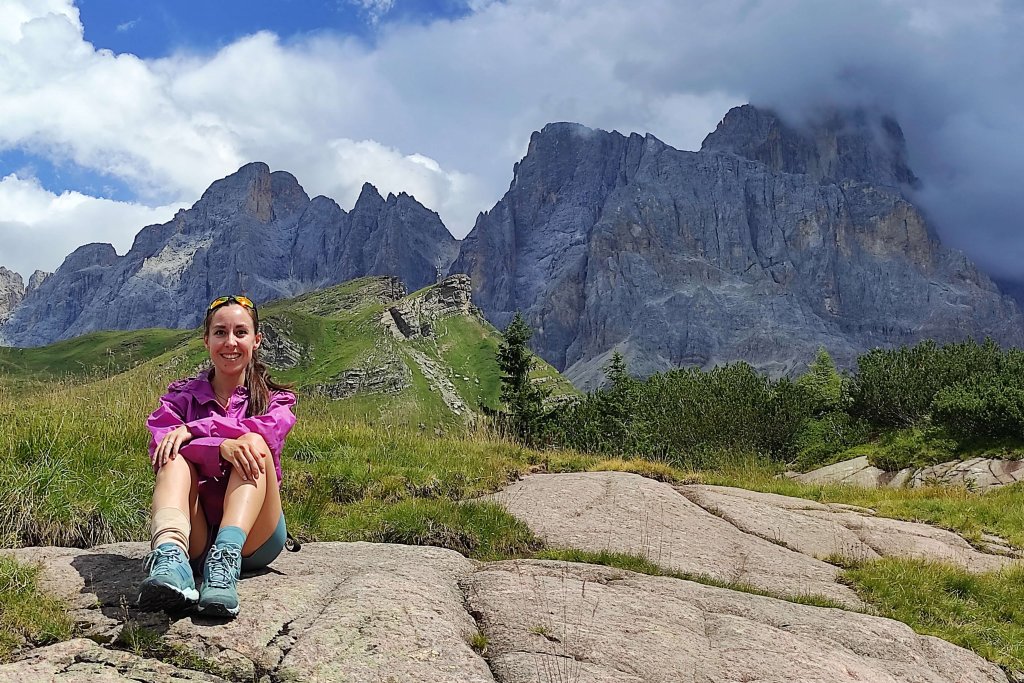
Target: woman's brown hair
<point x="258" y="382"/>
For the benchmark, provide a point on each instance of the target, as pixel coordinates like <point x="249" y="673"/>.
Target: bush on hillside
<point x="987" y="406"/>
<point x="823" y="383"/>
<point x="687" y="414"/>
<point x="820" y="439"/>
<point x="894" y="388"/>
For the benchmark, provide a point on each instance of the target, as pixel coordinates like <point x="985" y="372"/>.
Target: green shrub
<point x="820" y="439"/>
<point x="896" y="387"/>
<point x="988" y="406"/>
<point x="687" y="416"/>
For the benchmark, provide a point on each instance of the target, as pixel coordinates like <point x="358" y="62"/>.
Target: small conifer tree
<point x="823" y="382"/>
<point x="524" y="402"/>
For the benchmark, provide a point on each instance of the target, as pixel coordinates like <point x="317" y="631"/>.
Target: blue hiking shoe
<point x="219" y="596"/>
<point x="170" y="586"/>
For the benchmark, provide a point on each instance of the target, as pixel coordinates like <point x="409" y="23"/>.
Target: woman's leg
<point x="252" y="511"/>
<point x="253" y="506"/>
<point x="178" y="529"/>
<point x="177" y="487"/>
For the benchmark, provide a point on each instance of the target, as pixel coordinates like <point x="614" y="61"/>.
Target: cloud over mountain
<point x="442" y="109"/>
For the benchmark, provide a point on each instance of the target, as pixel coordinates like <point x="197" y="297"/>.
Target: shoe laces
<point x="162" y="560"/>
<point x="221" y="564"/>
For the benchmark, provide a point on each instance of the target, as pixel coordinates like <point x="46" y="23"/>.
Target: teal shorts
<point x="269" y="551"/>
<point x="263" y="555"/>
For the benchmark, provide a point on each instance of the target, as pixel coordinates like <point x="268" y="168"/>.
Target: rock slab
<point x="831" y="530"/>
<point x="556" y="621"/>
<point x="976" y="474"/>
<point x="627" y="513"/>
<point x="361" y="612"/>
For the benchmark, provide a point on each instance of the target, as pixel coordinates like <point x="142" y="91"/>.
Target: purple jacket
<point x="191" y="402"/>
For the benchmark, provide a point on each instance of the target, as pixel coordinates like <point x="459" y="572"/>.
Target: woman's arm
<point x="274" y="424"/>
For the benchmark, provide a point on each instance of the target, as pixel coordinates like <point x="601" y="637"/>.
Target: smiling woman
<point x="216" y="450"/>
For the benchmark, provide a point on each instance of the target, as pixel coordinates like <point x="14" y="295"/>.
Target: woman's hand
<point x="246" y="454"/>
<point x="169" y="446"/>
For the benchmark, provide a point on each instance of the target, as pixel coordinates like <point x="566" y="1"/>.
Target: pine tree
<point x="823" y="382"/>
<point x="616" y="404"/>
<point x="524" y="402"/>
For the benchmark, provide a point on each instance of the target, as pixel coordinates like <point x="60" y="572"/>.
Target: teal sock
<point x="230" y="535"/>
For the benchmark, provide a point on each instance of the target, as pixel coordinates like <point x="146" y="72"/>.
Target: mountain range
<point x="768" y="242"/>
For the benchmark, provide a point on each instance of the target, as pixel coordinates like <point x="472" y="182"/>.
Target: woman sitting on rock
<point x="219" y="503"/>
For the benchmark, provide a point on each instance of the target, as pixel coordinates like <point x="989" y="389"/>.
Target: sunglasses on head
<point x="224" y="300"/>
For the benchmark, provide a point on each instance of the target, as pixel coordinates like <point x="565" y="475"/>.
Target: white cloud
<point x="126" y="26"/>
<point x="375" y="9"/>
<point x="38" y="228"/>
<point x="443" y="110"/>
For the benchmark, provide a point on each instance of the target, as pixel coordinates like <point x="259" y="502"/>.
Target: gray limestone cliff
<point x="254" y="232"/>
<point x="768" y="242"/>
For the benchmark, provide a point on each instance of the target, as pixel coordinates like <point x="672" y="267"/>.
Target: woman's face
<point x="231" y="339"/>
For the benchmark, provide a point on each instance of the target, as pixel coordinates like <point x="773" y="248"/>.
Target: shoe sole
<point x="216" y="609"/>
<point x="156" y="597"/>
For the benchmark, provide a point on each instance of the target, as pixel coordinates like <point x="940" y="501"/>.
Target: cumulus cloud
<point x="38" y="228"/>
<point x="442" y="110"/>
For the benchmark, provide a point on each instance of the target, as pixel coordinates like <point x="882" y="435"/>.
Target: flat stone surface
<point x="826" y="530"/>
<point x="627" y="513"/>
<point x="855" y="472"/>
<point x="335" y="611"/>
<point x="556" y="621"/>
<point x="977" y="474"/>
<point x="366" y="612"/>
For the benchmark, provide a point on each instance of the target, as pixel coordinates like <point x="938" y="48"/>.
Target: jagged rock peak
<point x="254" y="191"/>
<point x="92" y="254"/>
<point x="368" y="196"/>
<point x="35" y="279"/>
<point x="12" y="290"/>
<point x="831" y="146"/>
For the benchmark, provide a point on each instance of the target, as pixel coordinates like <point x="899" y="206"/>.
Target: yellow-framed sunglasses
<point x="232" y="298"/>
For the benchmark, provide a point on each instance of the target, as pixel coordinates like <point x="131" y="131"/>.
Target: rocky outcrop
<point x="254" y="232"/>
<point x="976" y="474"/>
<point x="415" y="316"/>
<point x="386" y="377"/>
<point x="278" y="350"/>
<point x="769" y="242"/>
<point x="553" y="621"/>
<point x="627" y="513"/>
<point x="372" y="612"/>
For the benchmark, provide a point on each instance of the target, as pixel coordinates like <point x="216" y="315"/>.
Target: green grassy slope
<point x="97" y="354"/>
<point x="335" y="330"/>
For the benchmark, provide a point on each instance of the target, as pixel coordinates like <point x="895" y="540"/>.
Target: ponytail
<point x="259" y="385"/>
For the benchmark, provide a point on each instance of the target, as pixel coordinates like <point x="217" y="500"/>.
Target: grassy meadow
<point x="400" y="469"/>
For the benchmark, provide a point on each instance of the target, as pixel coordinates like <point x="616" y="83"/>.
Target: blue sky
<point x="117" y="113"/>
<point x="157" y="28"/>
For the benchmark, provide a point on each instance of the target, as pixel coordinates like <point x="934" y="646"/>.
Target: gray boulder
<point x="977" y="474"/>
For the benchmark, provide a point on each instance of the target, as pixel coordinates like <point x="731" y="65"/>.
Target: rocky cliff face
<point x="254" y="232"/>
<point x="765" y="244"/>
